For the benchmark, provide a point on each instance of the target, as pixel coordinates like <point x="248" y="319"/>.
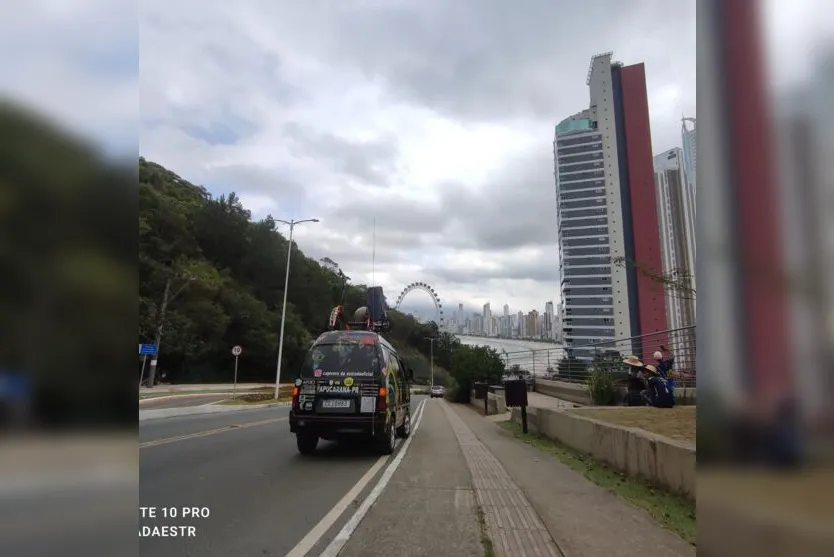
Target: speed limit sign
<point x="236" y="351"/>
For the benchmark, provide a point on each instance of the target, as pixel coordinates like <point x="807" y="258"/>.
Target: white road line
<point x="314" y="535"/>
<point x="223" y="429"/>
<point x="347" y="530"/>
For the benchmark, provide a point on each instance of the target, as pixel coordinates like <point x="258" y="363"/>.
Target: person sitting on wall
<point x="635" y="384"/>
<point x="658" y="393"/>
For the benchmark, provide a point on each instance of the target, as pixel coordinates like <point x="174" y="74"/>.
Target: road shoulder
<point x="584" y="519"/>
<point x="428" y="508"/>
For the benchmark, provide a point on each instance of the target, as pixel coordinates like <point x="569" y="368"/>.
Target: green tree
<point x="472" y="364"/>
<point x="211" y="278"/>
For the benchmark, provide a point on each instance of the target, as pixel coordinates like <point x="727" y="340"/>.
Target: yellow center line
<point x="235" y="427"/>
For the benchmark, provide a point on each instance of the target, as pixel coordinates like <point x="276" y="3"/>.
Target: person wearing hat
<point x="658" y="393"/>
<point x="635" y="383"/>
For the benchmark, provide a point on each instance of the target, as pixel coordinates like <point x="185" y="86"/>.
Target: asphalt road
<point x="181" y="401"/>
<point x="242" y="470"/>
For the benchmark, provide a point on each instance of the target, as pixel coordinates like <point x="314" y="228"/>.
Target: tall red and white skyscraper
<point x="607" y="213"/>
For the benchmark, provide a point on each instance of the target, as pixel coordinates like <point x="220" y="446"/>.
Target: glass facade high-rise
<point x="677" y="238"/>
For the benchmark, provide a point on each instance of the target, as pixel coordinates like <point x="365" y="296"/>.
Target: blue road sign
<point x="147" y="349"/>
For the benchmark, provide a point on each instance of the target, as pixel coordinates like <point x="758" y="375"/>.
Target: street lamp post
<point x="291" y="224"/>
<point x="431" y="357"/>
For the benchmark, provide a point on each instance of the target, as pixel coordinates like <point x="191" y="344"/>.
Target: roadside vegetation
<point x="211" y="277"/>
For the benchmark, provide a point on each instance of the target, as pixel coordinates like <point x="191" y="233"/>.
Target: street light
<point x="431" y="357"/>
<point x="291" y="224"/>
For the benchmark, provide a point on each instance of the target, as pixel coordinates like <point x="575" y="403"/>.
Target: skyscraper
<point x="488" y="329"/>
<point x="690" y="171"/>
<point x="549" y="325"/>
<point x="677" y="236"/>
<point x="607" y="213"/>
<point x="690" y="153"/>
<point x="557" y="323"/>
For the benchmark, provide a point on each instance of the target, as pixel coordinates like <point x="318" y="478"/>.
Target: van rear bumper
<point x="334" y="426"/>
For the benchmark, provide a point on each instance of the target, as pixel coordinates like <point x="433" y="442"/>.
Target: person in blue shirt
<point x="658" y="393"/>
<point x="665" y="361"/>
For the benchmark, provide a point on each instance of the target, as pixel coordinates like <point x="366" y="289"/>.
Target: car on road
<point x="437" y="391"/>
<point x="352" y="384"/>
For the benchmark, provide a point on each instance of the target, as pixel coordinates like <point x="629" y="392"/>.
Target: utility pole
<point x="431" y="357"/>
<point x="167" y="298"/>
<point x="291" y="224"/>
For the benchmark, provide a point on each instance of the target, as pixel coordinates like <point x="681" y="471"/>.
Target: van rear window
<point x="341" y="360"/>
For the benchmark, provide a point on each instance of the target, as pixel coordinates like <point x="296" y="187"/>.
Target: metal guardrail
<point x="557" y="363"/>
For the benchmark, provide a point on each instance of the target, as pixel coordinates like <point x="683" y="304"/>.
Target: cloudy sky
<point x="433" y="117"/>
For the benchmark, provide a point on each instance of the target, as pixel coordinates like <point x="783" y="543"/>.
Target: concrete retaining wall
<point x="662" y="461"/>
<point x="495" y="404"/>
<point x="572" y="392"/>
<point x="578" y="394"/>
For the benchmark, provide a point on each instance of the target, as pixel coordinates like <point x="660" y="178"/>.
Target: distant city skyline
<point x="425" y="306"/>
<point x="541" y="323"/>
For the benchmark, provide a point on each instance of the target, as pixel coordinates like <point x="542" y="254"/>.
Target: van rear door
<point x="344" y="375"/>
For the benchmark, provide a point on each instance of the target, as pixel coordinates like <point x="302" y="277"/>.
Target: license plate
<point x="335" y="403"/>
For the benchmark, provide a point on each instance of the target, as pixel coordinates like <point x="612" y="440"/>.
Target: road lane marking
<point x="233" y="427"/>
<point x="149" y="399"/>
<point x="347" y="530"/>
<point x="314" y="535"/>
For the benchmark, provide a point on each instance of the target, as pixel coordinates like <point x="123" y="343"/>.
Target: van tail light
<point x="382" y="399"/>
<point x="295" y="391"/>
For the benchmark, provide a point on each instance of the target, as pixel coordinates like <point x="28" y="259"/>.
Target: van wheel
<point x="387" y="441"/>
<point x="306" y="443"/>
<point x="405" y="430"/>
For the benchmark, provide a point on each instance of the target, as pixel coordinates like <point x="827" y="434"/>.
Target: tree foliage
<point x="225" y="276"/>
<point x="677" y="282"/>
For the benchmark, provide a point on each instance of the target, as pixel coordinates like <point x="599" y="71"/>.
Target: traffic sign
<point x="237" y="350"/>
<point x="147" y="349"/>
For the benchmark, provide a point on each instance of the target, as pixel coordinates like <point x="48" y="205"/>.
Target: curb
<point x="189" y="395"/>
<point x="160" y="413"/>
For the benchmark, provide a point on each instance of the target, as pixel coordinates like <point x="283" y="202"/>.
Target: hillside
<point x="224" y="274"/>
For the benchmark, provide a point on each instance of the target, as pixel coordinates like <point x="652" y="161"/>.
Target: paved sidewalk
<point x="428" y="507"/>
<point x="583" y="519"/>
<point x="512" y="523"/>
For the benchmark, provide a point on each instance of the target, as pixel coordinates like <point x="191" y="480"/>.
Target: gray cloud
<point x="396" y="215"/>
<point x="280" y="91"/>
<point x="516" y="208"/>
<point x="281" y="185"/>
<point x="544" y="270"/>
<point x="490" y="60"/>
<point x="373" y="162"/>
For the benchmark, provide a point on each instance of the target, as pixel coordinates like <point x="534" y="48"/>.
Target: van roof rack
<point x="377" y="320"/>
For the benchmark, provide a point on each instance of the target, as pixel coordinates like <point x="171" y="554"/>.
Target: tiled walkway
<point x="513" y="525"/>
